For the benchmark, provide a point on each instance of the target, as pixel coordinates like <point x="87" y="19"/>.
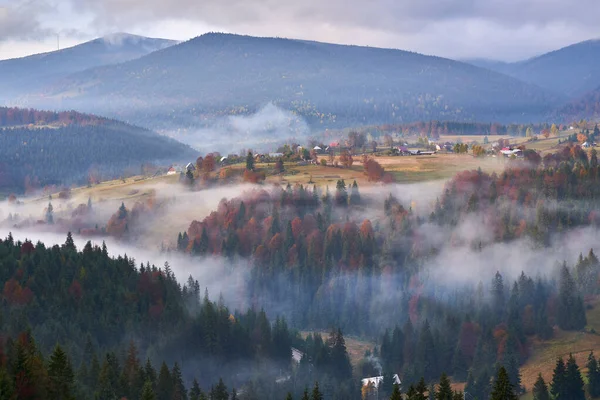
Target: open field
<point x="544" y="354"/>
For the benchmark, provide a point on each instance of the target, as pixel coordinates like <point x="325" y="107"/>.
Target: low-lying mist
<point x="266" y="129"/>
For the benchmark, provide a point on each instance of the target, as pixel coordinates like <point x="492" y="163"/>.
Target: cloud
<point x="511" y="28"/>
<point x="22" y="21"/>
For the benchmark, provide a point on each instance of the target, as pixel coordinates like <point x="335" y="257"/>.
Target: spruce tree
<point x="444" y="391"/>
<point x="396" y="394"/>
<point x="574" y="381"/>
<point x="540" y="389"/>
<point x="503" y="389"/>
<point x="60" y="375"/>
<point x="593" y="376"/>
<point x="250" y="161"/>
<point x="195" y="391"/>
<point x="164" y="385"/>
<point x="179" y="391"/>
<point x="316" y="393"/>
<point x="148" y="392"/>
<point x="558" y="387"/>
<point x="219" y="392"/>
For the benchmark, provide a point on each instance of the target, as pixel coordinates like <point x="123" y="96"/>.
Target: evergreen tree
<point x="316" y="393"/>
<point x="164" y="385"/>
<point x="219" y="392"/>
<point x="593" y="376"/>
<point x="559" y="387"/>
<point x="305" y="395"/>
<point x="148" y="392"/>
<point x="354" y="194"/>
<point x="396" y="394"/>
<point x="50" y="214"/>
<point x="570" y="312"/>
<point x="540" y="389"/>
<point x="69" y="243"/>
<point x="444" y="391"/>
<point x="122" y="211"/>
<point x="503" y="389"/>
<point x="195" y="391"/>
<point x="179" y="391"/>
<point x="60" y="375"/>
<point x="250" y="161"/>
<point x="574" y="381"/>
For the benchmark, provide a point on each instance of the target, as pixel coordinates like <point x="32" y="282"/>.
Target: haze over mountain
<point x="39" y="148"/>
<point x="221" y="74"/>
<point x="29" y="73"/>
<point x="572" y="70"/>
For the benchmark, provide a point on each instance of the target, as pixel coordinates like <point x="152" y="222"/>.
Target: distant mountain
<point x="584" y="107"/>
<point x="39" y="148"/>
<point x="30" y="73"/>
<point x="571" y="71"/>
<point x="493" y="65"/>
<point x="215" y="75"/>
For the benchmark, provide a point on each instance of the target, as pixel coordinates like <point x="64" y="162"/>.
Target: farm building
<point x="376" y="380"/>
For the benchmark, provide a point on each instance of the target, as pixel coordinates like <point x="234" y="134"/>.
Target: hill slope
<point x="29" y="73"/>
<point x="222" y="74"/>
<point x="41" y="148"/>
<point x="572" y="70"/>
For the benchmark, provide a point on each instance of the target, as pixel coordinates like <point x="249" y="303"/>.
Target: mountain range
<point x="572" y="71"/>
<point x="190" y="85"/>
<point x="28" y="74"/>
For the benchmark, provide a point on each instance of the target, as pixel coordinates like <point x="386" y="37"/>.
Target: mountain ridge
<point x="215" y="73"/>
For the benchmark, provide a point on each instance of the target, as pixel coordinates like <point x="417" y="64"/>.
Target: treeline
<point x="108" y="314"/>
<point x="25" y="116"/>
<point x="32" y="158"/>
<point x="437" y="128"/>
<point x="319" y="260"/>
<point x="88" y="298"/>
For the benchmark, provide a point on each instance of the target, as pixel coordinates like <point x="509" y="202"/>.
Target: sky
<point x="507" y="30"/>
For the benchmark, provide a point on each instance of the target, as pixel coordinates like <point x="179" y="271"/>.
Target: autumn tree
<point x="209" y="163"/>
<point x="346" y="159"/>
<point x="554" y="130"/>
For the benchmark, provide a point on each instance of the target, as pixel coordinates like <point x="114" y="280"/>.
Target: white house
<point x="171" y="171"/>
<point x="376" y="380"/>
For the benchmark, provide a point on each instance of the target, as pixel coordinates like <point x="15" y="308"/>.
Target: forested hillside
<point x="117" y="322"/>
<point x="45" y="148"/>
<point x="20" y="75"/>
<point x="330" y="85"/>
<point x="318" y="259"/>
<point x="571" y="70"/>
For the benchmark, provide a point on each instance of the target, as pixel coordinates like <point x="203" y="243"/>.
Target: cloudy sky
<point x="501" y="29"/>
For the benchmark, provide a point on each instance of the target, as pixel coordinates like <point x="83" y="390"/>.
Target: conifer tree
<point x="250" y="161"/>
<point x="148" y="392"/>
<point x="540" y="389"/>
<point x="179" y="391"/>
<point x="503" y="389"/>
<point x="444" y="391"/>
<point x="593" y="376"/>
<point x="219" y="392"/>
<point x="316" y="393"/>
<point x="558" y="387"/>
<point x="574" y="381"/>
<point x="60" y="375"/>
<point x="396" y="394"/>
<point x="164" y="385"/>
<point x="195" y="391"/>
